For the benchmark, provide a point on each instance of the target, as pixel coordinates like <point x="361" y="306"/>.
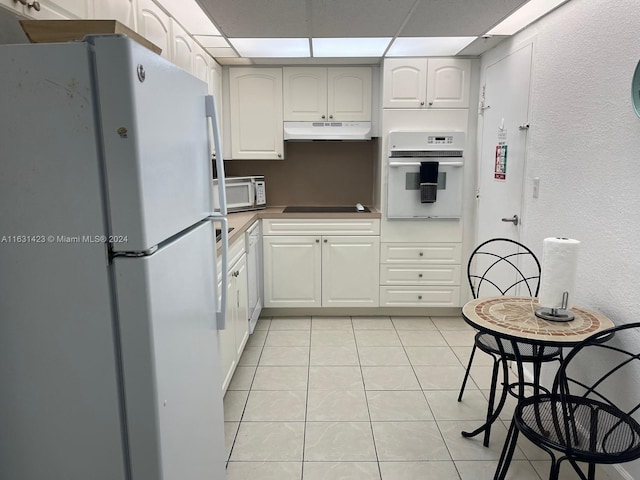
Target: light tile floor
<point x="365" y="398"/>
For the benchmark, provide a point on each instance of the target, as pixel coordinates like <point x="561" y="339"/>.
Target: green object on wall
<point x="635" y="90"/>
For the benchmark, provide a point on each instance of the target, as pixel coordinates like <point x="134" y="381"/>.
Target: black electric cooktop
<point x="326" y="209"/>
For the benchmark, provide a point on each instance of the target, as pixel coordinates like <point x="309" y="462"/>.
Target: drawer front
<point x="321" y="226"/>
<point x="419" y="253"/>
<point x="419" y="296"/>
<point x="391" y="274"/>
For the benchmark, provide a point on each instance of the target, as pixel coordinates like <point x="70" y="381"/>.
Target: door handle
<point x="513" y="220"/>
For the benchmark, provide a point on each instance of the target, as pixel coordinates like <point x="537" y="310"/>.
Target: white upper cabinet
<point x="404" y="82"/>
<point x="181" y="47"/>
<point x="51" y="9"/>
<point x="426" y="83"/>
<point x="201" y="59"/>
<point x="448" y="82"/>
<point x="318" y="93"/>
<point x="123" y="11"/>
<point x="349" y="94"/>
<point x="255" y="98"/>
<point x="54" y="9"/>
<point x="305" y="93"/>
<point x="155" y="26"/>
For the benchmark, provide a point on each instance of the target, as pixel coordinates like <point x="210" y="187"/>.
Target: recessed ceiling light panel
<point x="350" y="47"/>
<point x="525" y="15"/>
<point x="271" y="47"/>
<point x="427" y="46"/>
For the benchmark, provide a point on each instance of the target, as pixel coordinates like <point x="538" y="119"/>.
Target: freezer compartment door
<point x="171" y="363"/>
<point x="155" y="134"/>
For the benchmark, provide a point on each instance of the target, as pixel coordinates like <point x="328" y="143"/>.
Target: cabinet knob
<point x="419" y="275"/>
<point x="35" y="5"/>
<point x="317" y="240"/>
<point x="325" y="240"/>
<point x="430" y="103"/>
<point x="323" y="117"/>
<point x="422" y="104"/>
<point x="419" y="297"/>
<point x="421" y="254"/>
<point x="279" y="155"/>
<point x="330" y="116"/>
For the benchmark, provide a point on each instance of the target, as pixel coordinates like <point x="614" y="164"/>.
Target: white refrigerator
<point x="109" y="314"/>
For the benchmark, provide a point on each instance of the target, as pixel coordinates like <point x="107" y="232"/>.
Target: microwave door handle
<point x="211" y="112"/>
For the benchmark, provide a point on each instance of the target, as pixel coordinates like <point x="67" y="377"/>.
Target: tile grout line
<point x="248" y="394"/>
<point x="306" y="403"/>
<point x="366" y="397"/>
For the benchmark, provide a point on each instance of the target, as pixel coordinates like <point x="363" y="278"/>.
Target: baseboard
<point x="360" y="311"/>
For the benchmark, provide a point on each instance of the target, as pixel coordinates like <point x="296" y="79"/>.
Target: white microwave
<point x="243" y="193"/>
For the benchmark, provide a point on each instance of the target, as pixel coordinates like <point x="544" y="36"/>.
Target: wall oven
<point x="424" y="174"/>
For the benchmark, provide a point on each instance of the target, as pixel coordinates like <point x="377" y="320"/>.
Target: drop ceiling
<point x="320" y="19"/>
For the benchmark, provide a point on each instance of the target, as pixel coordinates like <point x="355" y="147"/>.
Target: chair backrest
<point x="604" y="368"/>
<point x="502" y="266"/>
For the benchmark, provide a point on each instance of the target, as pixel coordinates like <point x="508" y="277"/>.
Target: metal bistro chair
<point x="591" y="414"/>
<point x="490" y="263"/>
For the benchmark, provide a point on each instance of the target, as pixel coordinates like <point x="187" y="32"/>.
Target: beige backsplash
<point x="315" y="173"/>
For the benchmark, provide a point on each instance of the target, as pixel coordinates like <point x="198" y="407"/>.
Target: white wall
<point x="584" y="145"/>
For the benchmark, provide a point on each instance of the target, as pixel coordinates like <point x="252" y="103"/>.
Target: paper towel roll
<point x="559" y="266"/>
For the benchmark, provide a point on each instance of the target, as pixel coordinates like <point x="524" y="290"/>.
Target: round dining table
<point x="513" y="319"/>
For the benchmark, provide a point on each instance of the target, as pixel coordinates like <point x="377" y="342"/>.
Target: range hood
<point x="302" y="131"/>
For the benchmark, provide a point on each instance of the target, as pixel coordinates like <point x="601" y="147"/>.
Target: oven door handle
<point x="417" y="164"/>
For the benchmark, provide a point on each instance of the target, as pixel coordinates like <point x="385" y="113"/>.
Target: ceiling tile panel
<point x="258" y="18"/>
<point x="442" y="18"/>
<point x="358" y="18"/>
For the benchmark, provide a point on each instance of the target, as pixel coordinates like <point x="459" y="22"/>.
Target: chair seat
<point x="489" y="344"/>
<point x="605" y="434"/>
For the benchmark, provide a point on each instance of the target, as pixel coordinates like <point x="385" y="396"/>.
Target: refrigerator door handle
<point x="221" y="314"/>
<point x="212" y="113"/>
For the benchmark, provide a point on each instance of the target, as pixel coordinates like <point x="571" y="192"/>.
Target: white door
<point x="501" y="170"/>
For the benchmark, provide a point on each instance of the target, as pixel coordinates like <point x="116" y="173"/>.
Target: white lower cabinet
<point x="350" y="271"/>
<point x="315" y="270"/>
<point x="234" y="337"/>
<point x="420" y="274"/>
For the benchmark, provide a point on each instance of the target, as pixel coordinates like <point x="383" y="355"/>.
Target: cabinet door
<point x="292" y="271"/>
<point x="350" y="271"/>
<point x="448" y="83"/>
<point x="121" y="10"/>
<point x="404" y="83"/>
<point x="256" y="113"/>
<point x="201" y="67"/>
<point x="227" y="339"/>
<point x="154" y="25"/>
<point x="305" y="93"/>
<point x="62" y="9"/>
<point x="181" y="47"/>
<point x="349" y="94"/>
<point x="241" y="318"/>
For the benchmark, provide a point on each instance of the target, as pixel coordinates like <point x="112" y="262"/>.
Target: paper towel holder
<point x="561" y="314"/>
